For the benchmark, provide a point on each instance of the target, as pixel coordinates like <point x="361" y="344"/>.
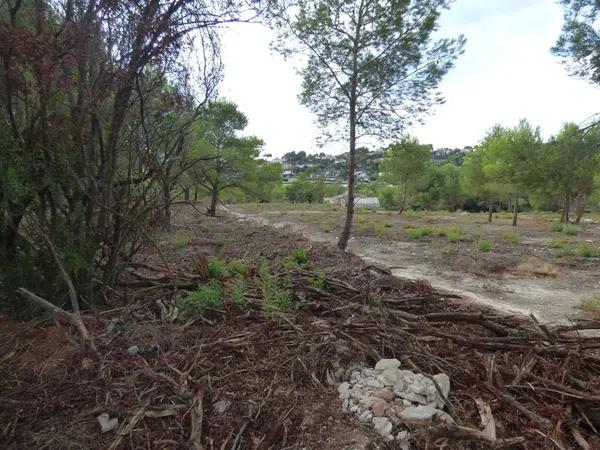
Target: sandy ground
<point x="527" y="276"/>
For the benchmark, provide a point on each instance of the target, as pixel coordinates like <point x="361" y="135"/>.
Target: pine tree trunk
<point x="403" y="202"/>
<point x="490" y="210"/>
<point x="214" y="196"/>
<point x="515" y="210"/>
<point x="581" y="200"/>
<point x="566" y="207"/>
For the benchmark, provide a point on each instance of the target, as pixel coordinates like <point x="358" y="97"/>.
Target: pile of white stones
<point x="388" y="396"/>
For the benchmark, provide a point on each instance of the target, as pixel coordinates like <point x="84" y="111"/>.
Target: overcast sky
<point x="506" y="73"/>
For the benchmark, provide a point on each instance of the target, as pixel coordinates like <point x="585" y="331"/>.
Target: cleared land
<point x="540" y="266"/>
<point x="260" y="372"/>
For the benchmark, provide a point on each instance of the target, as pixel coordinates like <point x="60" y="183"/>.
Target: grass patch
<point x="410" y="214"/>
<point x="511" y="236"/>
<point x="220" y="241"/>
<point x="277" y="294"/>
<point x="208" y="296"/>
<point x="326" y="228"/>
<point x="570" y="230"/>
<point x="485" y="245"/>
<point x="592" y="306"/>
<point x="237" y="267"/>
<point x="180" y="240"/>
<point x="588" y="250"/>
<point x="558" y="242"/>
<point x="556" y="227"/>
<point x="419" y="232"/>
<point x="454" y="234"/>
<point x="299" y="258"/>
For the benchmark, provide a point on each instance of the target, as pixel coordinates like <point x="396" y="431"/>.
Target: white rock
<point x="390" y="377"/>
<point x="411" y="397"/>
<point x="354" y="408"/>
<point x="106" y="423"/>
<point x="443" y="382"/>
<point x="382" y="425"/>
<point x="344" y="391"/>
<point x="370" y="373"/>
<point x="222" y="406"/>
<point x="345" y="404"/>
<point x="133" y="350"/>
<point x="383" y="393"/>
<point x="373" y="383"/>
<point x="379" y="407"/>
<point x="365" y="416"/>
<point x="418" y="415"/>
<point x="354" y="376"/>
<point x="384" y="364"/>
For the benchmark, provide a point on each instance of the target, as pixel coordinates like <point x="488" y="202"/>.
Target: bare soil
<point x="528" y="276"/>
<point x="279" y="371"/>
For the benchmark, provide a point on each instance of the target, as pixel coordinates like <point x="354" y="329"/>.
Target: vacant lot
<point x="540" y="266"/>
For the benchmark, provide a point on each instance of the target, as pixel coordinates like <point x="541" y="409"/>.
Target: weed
<point x="512" y="236"/>
<point x="485" y="245"/>
<point x="588" y="250"/>
<point x="220" y="241"/>
<point x="204" y="228"/>
<point x="238" y="293"/>
<point x="237" y="267"/>
<point x="216" y="268"/>
<point x="448" y="250"/>
<point x="410" y="214"/>
<point x="277" y="296"/>
<point x="566" y="250"/>
<point x="387" y="225"/>
<point x="318" y="282"/>
<point x="299" y="258"/>
<point x="180" y="240"/>
<point x="208" y="296"/>
<point x="556" y="227"/>
<point x="570" y="230"/>
<point x="409" y="226"/>
<point x="420" y="232"/>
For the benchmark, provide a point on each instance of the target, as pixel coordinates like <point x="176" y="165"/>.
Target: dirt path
<point x="517" y="289"/>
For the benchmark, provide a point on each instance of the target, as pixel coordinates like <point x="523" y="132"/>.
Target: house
<point x="359" y="202"/>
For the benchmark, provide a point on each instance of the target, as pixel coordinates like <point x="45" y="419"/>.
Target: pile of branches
<point x="516" y="383"/>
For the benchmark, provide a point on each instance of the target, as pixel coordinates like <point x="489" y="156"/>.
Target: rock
<point x="365" y="417"/>
<point x="106" y="423"/>
<point x="385" y="364"/>
<point x="403" y="438"/>
<point x="370" y="373"/>
<point x="344" y="391"/>
<point x="382" y="425"/>
<point x="345" y="404"/>
<point x="354" y="376"/>
<point x="379" y="407"/>
<point x="133" y="350"/>
<point x="445" y="418"/>
<point x="390" y="377"/>
<point x="222" y="406"/>
<point x="411" y="397"/>
<point x="443" y="382"/>
<point x="384" y="394"/>
<point x="373" y="383"/>
<point x="418" y="415"/>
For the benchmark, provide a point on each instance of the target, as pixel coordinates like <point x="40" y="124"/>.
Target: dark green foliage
<point x="207" y="297"/>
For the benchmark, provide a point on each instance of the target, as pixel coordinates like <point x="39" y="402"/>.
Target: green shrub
<point x="208" y="296"/>
<point x="556" y="227"/>
<point x="180" y="240"/>
<point x="220" y="241"/>
<point x="485" y="245"/>
<point x="419" y="232"/>
<point x="570" y="230"/>
<point x="411" y="214"/>
<point x="237" y="267"/>
<point x="216" y="268"/>
<point x="387" y="225"/>
<point x="238" y="293"/>
<point x="588" y="250"/>
<point x="566" y="250"/>
<point x="512" y="236"/>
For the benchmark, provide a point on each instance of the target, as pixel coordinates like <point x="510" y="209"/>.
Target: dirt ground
<point x="523" y="272"/>
<point x="279" y="371"/>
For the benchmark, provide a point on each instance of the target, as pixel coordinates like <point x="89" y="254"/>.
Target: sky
<point x="506" y="73"/>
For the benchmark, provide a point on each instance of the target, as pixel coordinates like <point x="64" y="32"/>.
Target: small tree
<point x="371" y="66"/>
<point x="229" y="159"/>
<point x="404" y="164"/>
<point x="474" y="179"/>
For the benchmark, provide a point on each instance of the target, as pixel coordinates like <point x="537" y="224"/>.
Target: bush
<point x="238" y="293"/>
<point x="208" y="296"/>
<point x="319" y="282"/>
<point x="558" y="242"/>
<point x="485" y="245"/>
<point x="512" y="236"/>
<point x="277" y="295"/>
<point x="419" y="232"/>
<point x="570" y="230"/>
